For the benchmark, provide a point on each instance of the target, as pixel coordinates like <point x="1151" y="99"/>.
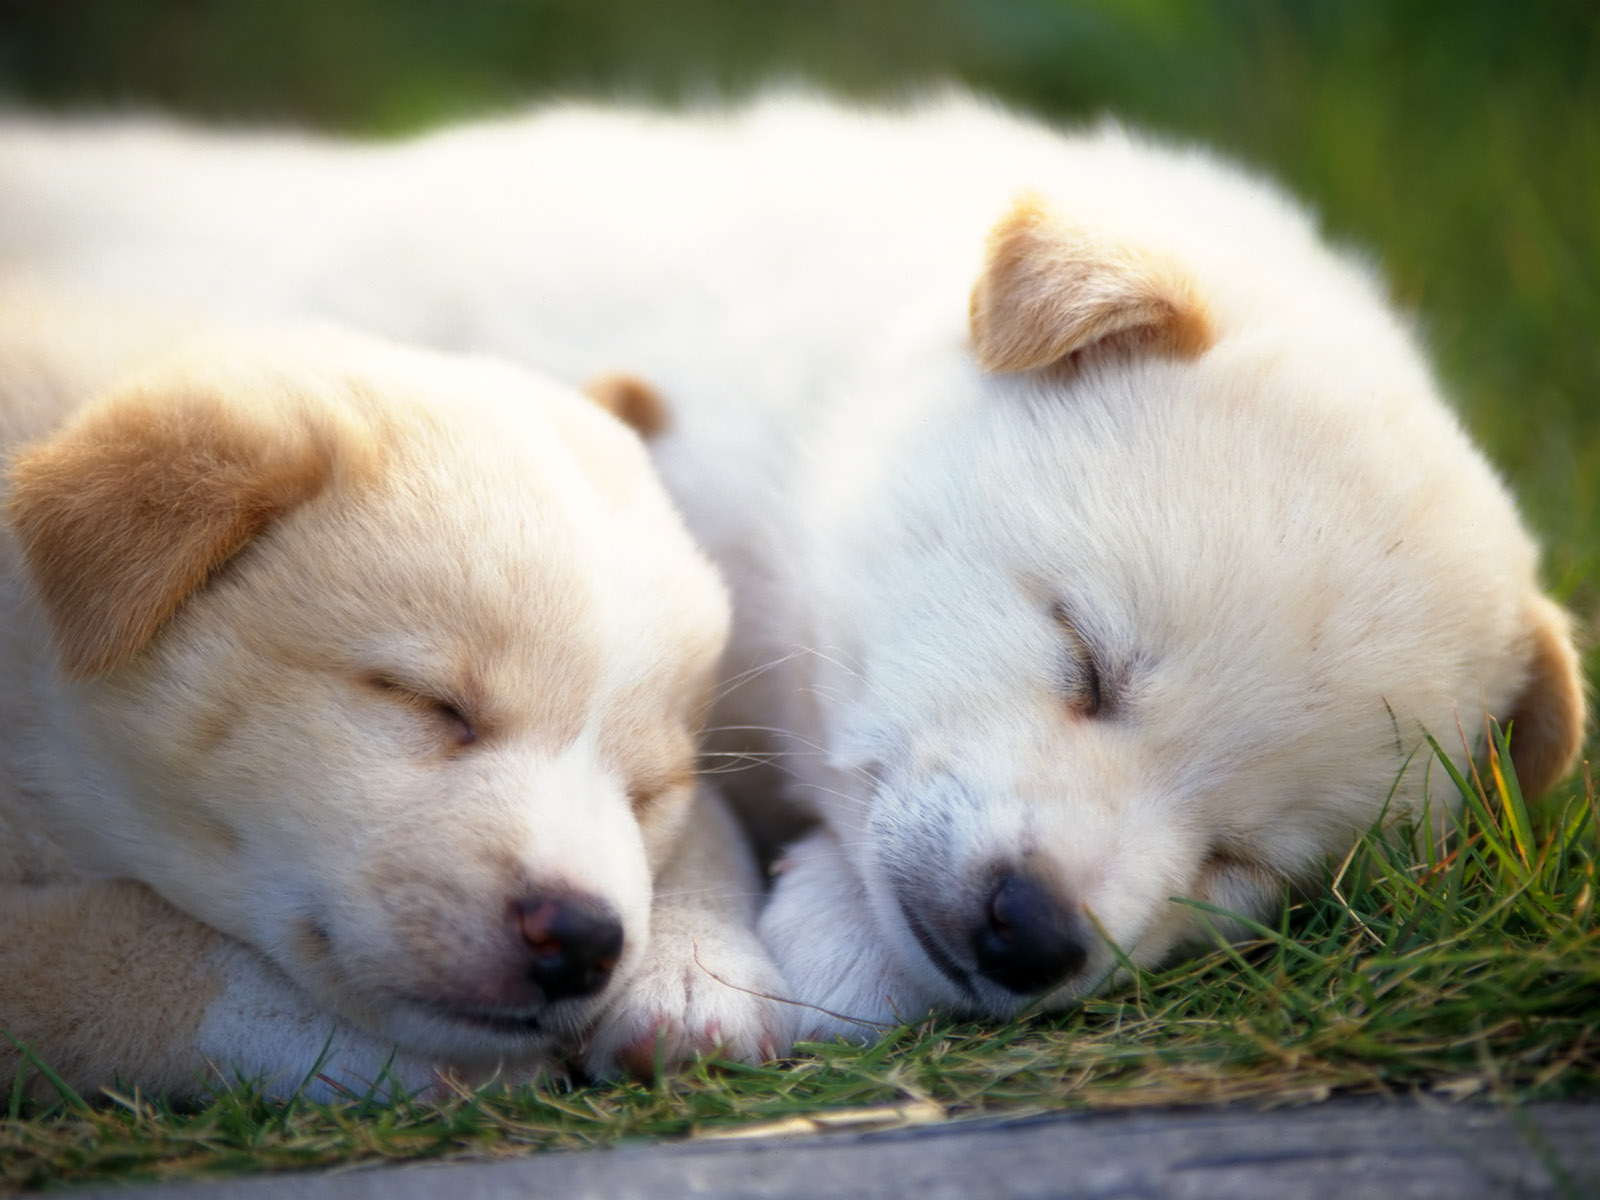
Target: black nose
<point x="573" y="942"/>
<point x="1029" y="939"/>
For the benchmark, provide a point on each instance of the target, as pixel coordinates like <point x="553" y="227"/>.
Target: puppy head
<point x="1181" y="582"/>
<point x="389" y="665"/>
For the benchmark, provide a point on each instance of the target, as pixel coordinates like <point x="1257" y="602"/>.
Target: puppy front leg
<point x="707" y="982"/>
<point x="107" y="984"/>
<point x="819" y="927"/>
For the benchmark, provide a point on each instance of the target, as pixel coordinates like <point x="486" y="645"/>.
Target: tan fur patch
<point x="128" y="510"/>
<point x="87" y="944"/>
<point x="631" y="400"/>
<point x="1048" y="291"/>
<point x="1547" y="721"/>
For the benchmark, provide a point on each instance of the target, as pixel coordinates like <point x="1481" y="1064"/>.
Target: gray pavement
<point x="1344" y="1150"/>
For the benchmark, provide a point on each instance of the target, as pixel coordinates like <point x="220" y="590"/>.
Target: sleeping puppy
<point x="1097" y="535"/>
<point x="351" y="711"/>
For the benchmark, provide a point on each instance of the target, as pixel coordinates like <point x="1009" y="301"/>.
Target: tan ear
<point x="631" y="400"/>
<point x="1548" y="718"/>
<point x="1049" y="290"/>
<point x="126" y="511"/>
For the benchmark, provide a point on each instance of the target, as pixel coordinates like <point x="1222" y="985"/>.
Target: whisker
<point x="684" y="893"/>
<point x="733" y="681"/>
<point x="726" y="686"/>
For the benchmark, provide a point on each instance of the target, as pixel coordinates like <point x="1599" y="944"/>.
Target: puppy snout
<point x="574" y="943"/>
<point x="1029" y="939"/>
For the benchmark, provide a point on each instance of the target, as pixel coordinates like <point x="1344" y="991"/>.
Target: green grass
<point x="1468" y="970"/>
<point x="1457" y="142"/>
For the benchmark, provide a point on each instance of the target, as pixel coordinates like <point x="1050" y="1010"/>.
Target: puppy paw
<point x="710" y="995"/>
<point x="818" y="926"/>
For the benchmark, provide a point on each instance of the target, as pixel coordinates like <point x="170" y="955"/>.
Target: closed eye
<point x="1086" y="685"/>
<point x="1235" y="861"/>
<point x="1225" y="856"/>
<point x="649" y="791"/>
<point x="451" y="715"/>
<point x="1235" y="880"/>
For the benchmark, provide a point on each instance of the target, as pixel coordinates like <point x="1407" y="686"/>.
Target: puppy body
<point x="351" y="711"/>
<point x="1097" y="535"/>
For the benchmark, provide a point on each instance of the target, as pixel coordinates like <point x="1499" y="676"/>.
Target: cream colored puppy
<point x="351" y="705"/>
<point x="1098" y="536"/>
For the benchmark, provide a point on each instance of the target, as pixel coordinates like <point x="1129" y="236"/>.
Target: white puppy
<point x="386" y="669"/>
<point x="1097" y="535"/>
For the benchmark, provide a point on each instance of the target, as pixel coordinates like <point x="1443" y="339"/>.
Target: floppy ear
<point x="1049" y="290"/>
<point x="125" y="511"/>
<point x="631" y="400"/>
<point x="1547" y="719"/>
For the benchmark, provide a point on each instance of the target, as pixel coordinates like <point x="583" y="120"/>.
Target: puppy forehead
<point x="449" y="537"/>
<point x="1153" y="475"/>
<point x="483" y="555"/>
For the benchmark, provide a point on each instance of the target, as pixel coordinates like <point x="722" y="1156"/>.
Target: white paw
<point x="715" y="994"/>
<point x="818" y="926"/>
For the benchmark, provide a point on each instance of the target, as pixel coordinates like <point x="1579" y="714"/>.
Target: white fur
<point x="1287" y="558"/>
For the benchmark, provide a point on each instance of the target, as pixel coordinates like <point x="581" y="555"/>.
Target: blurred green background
<point x="1457" y="142"/>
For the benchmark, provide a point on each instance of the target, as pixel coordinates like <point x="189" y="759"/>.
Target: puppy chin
<point x="468" y="1036"/>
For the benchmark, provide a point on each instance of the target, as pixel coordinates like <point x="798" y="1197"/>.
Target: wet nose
<point x="573" y="943"/>
<point x="1029" y="939"/>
